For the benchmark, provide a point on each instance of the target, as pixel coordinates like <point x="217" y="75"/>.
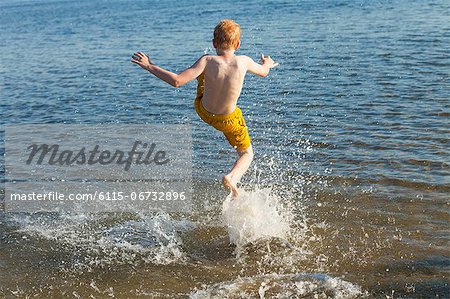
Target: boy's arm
<point x="261" y="69"/>
<point x="173" y="79"/>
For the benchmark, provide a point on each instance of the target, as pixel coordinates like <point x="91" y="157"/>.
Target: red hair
<point x="227" y="35"/>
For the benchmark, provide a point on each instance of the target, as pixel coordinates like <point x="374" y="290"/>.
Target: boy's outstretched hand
<point x="266" y="60"/>
<point x="141" y="59"/>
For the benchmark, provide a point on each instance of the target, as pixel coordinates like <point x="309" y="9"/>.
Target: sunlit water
<point x="348" y="196"/>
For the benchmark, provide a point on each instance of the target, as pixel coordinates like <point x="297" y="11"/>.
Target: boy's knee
<point x="248" y="151"/>
<point x="251" y="155"/>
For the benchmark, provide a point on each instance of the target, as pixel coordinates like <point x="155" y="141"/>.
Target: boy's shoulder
<point x="211" y="56"/>
<point x="242" y="60"/>
<point x="245" y="59"/>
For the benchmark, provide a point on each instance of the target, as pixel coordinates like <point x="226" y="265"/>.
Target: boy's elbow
<point x="179" y="81"/>
<point x="264" y="74"/>
<point x="176" y="83"/>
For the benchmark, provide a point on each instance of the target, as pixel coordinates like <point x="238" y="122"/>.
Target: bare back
<point x="224" y="77"/>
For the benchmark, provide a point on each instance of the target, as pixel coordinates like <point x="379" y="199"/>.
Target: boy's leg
<point x="241" y="165"/>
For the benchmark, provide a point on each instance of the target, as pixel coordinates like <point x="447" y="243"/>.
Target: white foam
<point x="150" y="238"/>
<point x="254" y="215"/>
<point x="281" y="286"/>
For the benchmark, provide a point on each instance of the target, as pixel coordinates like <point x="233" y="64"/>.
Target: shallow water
<point x="351" y="134"/>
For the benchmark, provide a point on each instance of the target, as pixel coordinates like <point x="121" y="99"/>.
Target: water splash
<point x="254" y="215"/>
<point x="281" y="286"/>
<point x="106" y="239"/>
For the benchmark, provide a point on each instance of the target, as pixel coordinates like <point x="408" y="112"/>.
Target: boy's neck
<point x="227" y="52"/>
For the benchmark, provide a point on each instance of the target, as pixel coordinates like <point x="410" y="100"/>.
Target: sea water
<point x="348" y="193"/>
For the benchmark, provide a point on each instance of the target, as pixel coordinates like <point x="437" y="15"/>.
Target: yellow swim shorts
<point x="231" y="125"/>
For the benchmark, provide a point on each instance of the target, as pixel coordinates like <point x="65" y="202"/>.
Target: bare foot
<point x="230" y="184"/>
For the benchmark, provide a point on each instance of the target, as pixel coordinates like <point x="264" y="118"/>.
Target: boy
<point x="220" y="79"/>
